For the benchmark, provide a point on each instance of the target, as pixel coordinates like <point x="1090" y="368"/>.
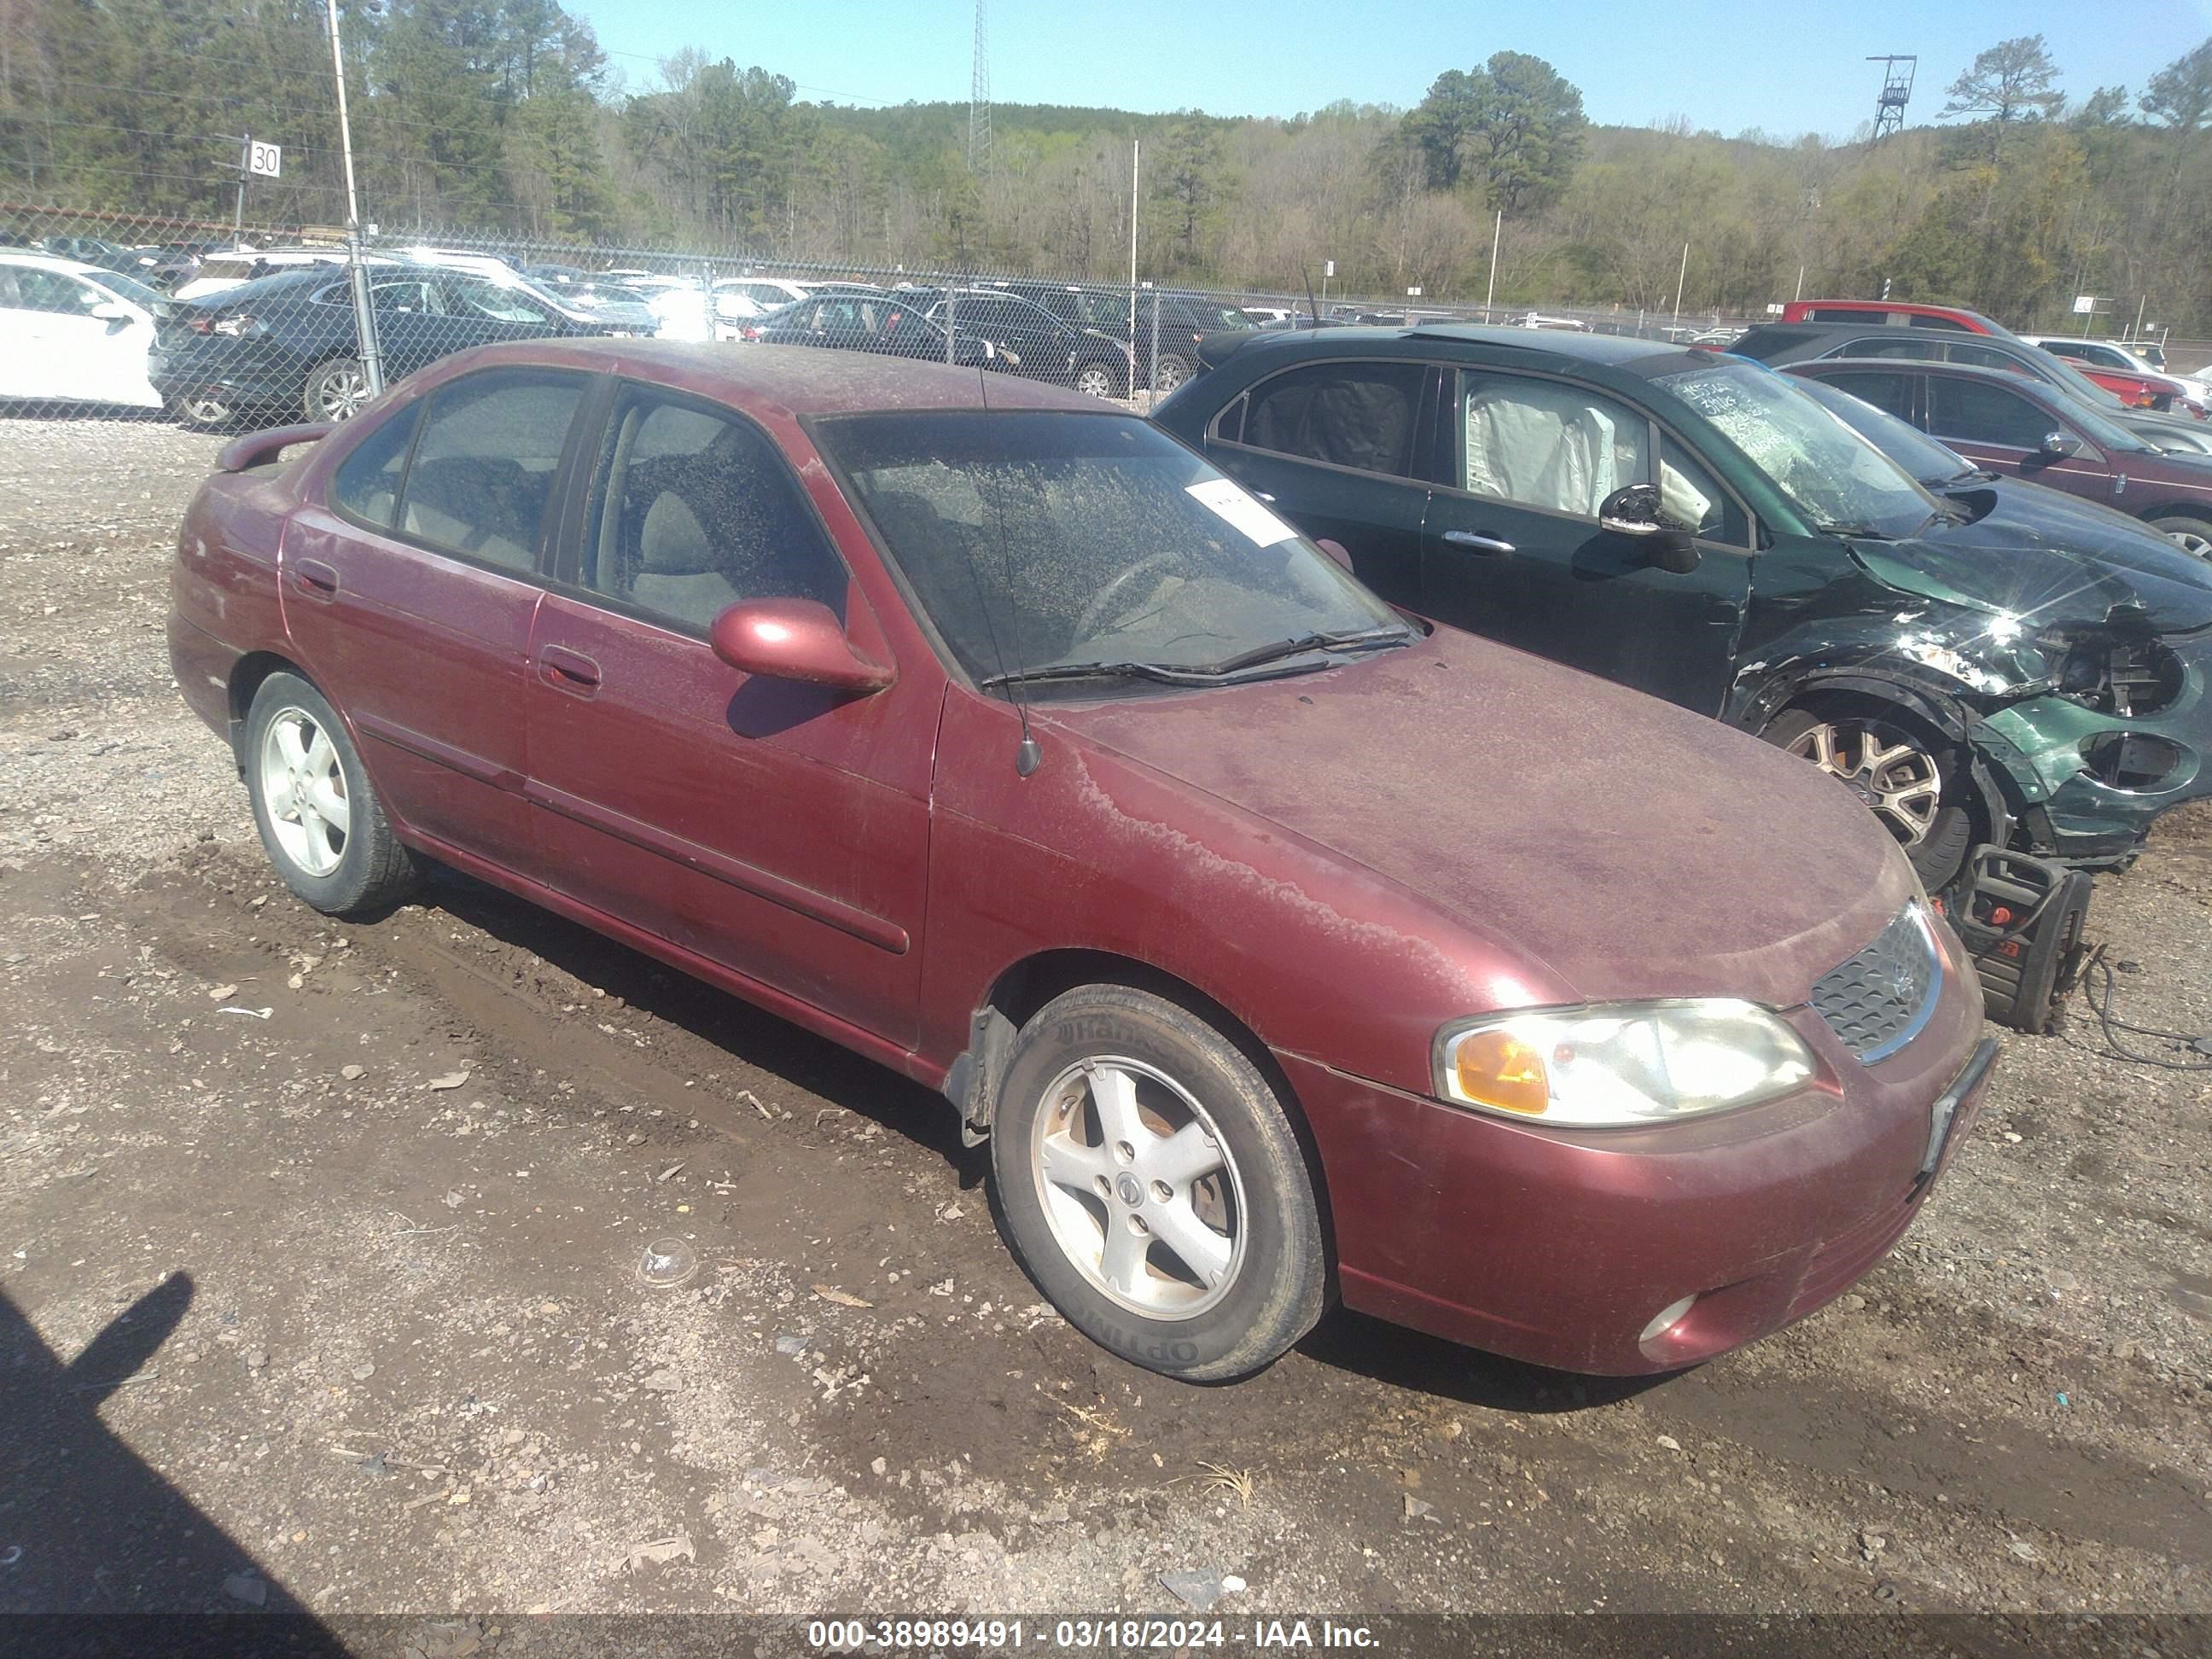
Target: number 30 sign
<point x="266" y="159"/>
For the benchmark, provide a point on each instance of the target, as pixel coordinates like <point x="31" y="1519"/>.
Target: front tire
<point x="1917" y="789"/>
<point x="1097" y="381"/>
<point x="1168" y="373"/>
<point x="1152" y="1185"/>
<point x="320" y="819"/>
<point x="338" y="391"/>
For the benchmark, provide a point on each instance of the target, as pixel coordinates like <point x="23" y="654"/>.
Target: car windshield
<point x="131" y="289"/>
<point x="1038" y="541"/>
<point x="2108" y="434"/>
<point x="1839" y="482"/>
<point x="1908" y="445"/>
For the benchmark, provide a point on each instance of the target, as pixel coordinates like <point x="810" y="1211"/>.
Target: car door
<point x="1997" y="428"/>
<point x="778" y="829"/>
<point x="24" y="355"/>
<point x="69" y="353"/>
<point x="1513" y="547"/>
<point x="409" y="593"/>
<point x="1334" y="446"/>
<point x="483" y="312"/>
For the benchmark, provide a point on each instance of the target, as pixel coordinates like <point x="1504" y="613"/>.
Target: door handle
<point x="314" y="580"/>
<point x="1489" y="546"/>
<point x="568" y="671"/>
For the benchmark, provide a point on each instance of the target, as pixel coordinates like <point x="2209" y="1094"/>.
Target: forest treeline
<point x="507" y="116"/>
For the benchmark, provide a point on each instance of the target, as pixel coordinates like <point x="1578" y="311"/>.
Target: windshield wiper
<point x="1204" y="673"/>
<point x="1862" y="531"/>
<point x="1101" y="671"/>
<point x="1343" y="639"/>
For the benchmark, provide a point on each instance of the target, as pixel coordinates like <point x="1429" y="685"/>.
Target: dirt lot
<point x="353" y="1294"/>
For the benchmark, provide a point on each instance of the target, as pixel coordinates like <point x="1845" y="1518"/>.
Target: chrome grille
<point x="1877" y="1001"/>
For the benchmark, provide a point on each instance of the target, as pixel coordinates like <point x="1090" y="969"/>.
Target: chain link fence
<point x="227" y="325"/>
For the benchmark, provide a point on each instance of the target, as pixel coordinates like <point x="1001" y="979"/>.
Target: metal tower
<point x="1897" y="74"/>
<point x="979" y="101"/>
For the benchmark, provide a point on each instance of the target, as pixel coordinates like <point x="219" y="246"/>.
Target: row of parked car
<point x="1172" y="797"/>
<point x="248" y="332"/>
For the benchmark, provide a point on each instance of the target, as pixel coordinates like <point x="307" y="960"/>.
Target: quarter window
<point x="367" y="487"/>
<point x="1355" y="414"/>
<point x="693" y="511"/>
<point x="1969" y="412"/>
<point x="481" y="477"/>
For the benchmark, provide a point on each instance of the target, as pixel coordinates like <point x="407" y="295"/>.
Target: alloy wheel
<point x="1896" y="779"/>
<point x="1171" y="374"/>
<point x="206" y="411"/>
<point x="304" y="785"/>
<point x="2190" y="542"/>
<point x="1094" y="382"/>
<point x="342" y="392"/>
<point x="1139" y="1188"/>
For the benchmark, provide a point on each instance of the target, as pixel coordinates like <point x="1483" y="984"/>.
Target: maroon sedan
<point x="2026" y="429"/>
<point x="1284" y="947"/>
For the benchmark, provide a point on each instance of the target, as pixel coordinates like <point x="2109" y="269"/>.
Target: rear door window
<point x="1351" y="415"/>
<point x="481" y="481"/>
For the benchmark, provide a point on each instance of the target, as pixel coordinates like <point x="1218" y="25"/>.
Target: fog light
<point x="1667" y="1318"/>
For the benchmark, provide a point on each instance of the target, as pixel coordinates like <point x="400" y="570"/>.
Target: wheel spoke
<point x="1069" y="1164"/>
<point x="1122" y="1263"/>
<point x="329" y="806"/>
<point x="281" y="805"/>
<point x="1179" y="1158"/>
<point x="320" y="754"/>
<point x="1200" y="1249"/>
<point x="1114" y="1091"/>
<point x="288" y="743"/>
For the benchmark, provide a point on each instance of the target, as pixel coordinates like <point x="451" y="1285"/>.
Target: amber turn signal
<point x="1496" y="1069"/>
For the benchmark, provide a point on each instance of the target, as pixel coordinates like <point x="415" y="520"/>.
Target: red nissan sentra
<point x="1284" y="948"/>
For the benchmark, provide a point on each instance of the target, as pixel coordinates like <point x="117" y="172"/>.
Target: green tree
<point x="2180" y="95"/>
<point x="2016" y="80"/>
<point x="1527" y="131"/>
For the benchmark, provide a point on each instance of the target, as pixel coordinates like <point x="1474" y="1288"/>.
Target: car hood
<point x="1627" y="848"/>
<point x="2049" y="564"/>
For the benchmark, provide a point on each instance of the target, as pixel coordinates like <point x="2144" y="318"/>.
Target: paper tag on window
<point x="1227" y="499"/>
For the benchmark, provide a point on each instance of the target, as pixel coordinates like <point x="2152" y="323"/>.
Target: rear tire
<point x="1917" y="789"/>
<point x="204" y="414"/>
<point x="338" y="391"/>
<point x="1097" y="381"/>
<point x="320" y="819"/>
<point x="1169" y="372"/>
<point x="1151" y="1183"/>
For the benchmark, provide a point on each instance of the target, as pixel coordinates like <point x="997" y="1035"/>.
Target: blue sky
<point x="1777" y="65"/>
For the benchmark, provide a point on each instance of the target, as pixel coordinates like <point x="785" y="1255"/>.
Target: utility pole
<point x="1681" y="277"/>
<point x="364" y="314"/>
<point x="1497" y="235"/>
<point x="238" y="214"/>
<point x="1136" y="156"/>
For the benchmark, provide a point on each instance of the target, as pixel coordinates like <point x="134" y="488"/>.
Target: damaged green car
<point x="1978" y="669"/>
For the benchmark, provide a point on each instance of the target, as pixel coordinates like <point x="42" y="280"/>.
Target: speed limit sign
<point x="266" y="159"/>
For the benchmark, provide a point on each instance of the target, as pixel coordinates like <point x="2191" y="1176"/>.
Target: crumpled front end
<point x="2125" y="735"/>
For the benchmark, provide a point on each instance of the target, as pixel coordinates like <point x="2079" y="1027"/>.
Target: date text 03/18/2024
<point x="1090" y="1634"/>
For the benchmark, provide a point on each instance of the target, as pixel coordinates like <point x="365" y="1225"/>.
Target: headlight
<point x="1617" y="1065"/>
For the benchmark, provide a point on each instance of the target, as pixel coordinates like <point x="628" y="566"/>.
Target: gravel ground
<point x="338" y="1230"/>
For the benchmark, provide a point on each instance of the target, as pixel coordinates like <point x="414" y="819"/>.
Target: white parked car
<point x="70" y="332"/>
<point x="766" y="293"/>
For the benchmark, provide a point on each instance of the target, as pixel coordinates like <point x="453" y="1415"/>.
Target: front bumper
<point x="2044" y="748"/>
<point x="1560" y="1248"/>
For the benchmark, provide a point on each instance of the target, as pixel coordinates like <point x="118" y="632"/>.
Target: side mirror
<point x="112" y="311"/>
<point x="1336" y="550"/>
<point x="1633" y="510"/>
<point x="793" y="639"/>
<point x="2059" y="445"/>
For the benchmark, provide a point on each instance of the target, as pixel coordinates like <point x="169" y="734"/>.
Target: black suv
<point x="1184" y="319"/>
<point x="1032" y="342"/>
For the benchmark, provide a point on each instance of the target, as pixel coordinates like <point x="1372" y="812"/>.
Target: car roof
<point x="2041" y="390"/>
<point x="46" y="261"/>
<point x="794" y="381"/>
<point x="1649" y="357"/>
